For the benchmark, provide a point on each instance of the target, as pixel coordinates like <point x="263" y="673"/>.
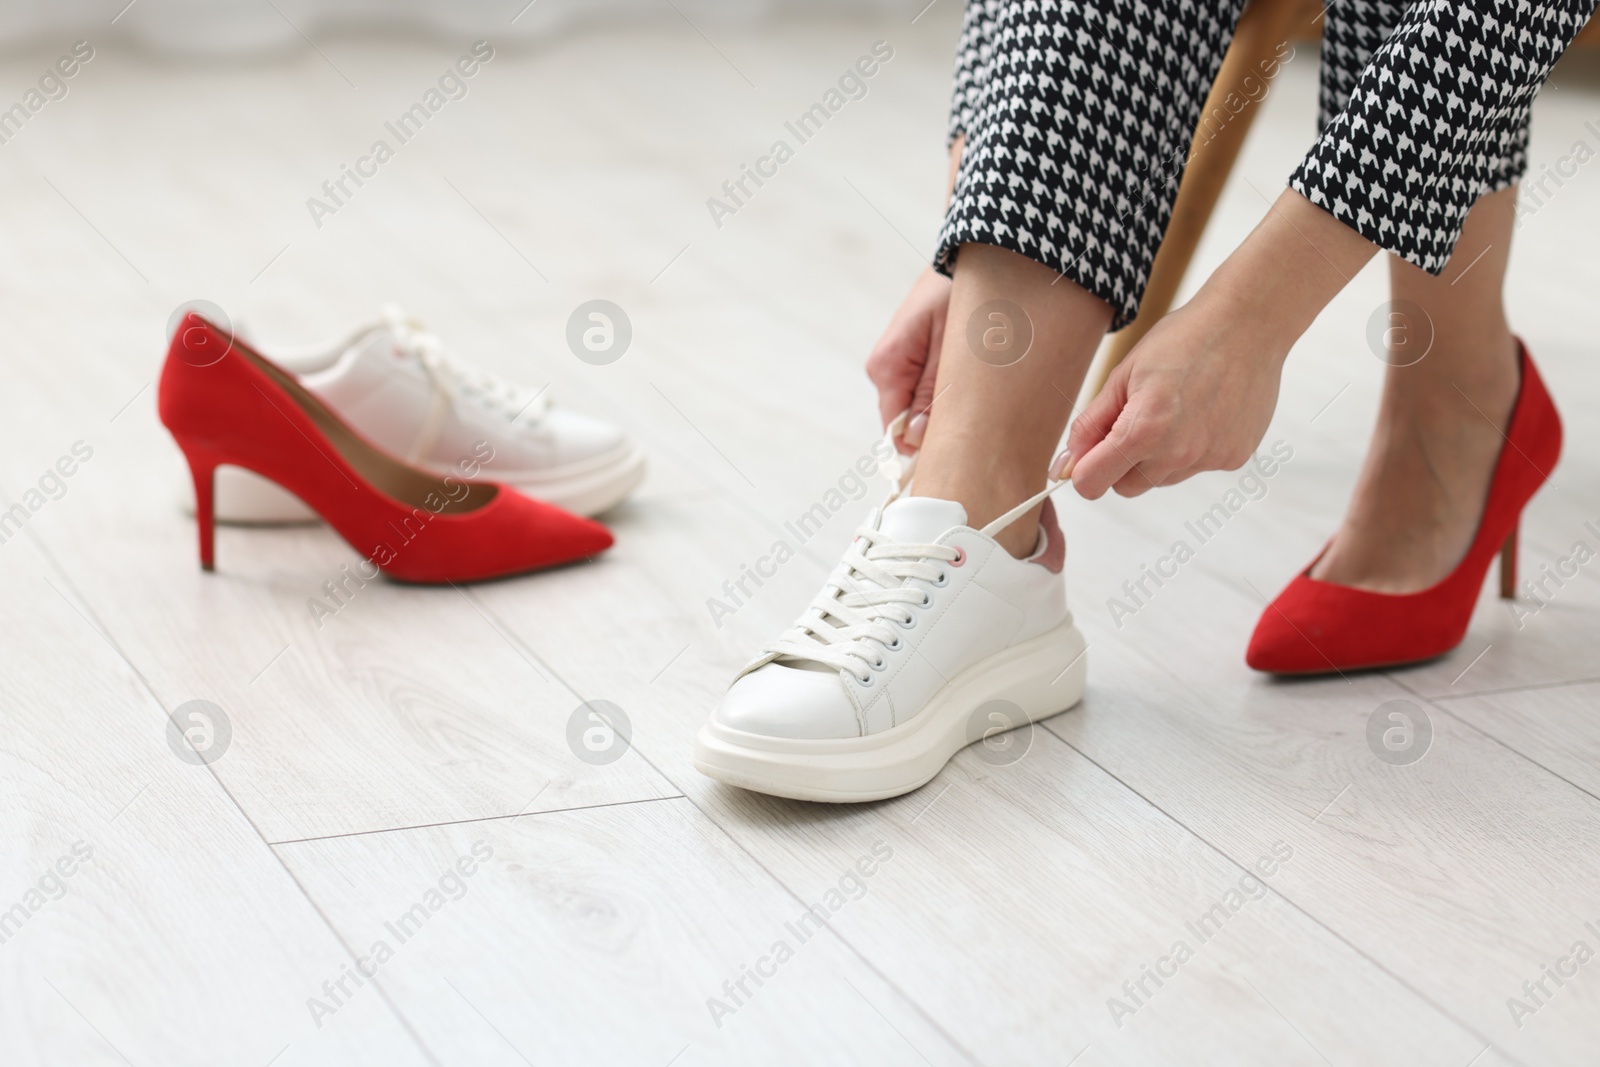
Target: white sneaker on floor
<point x="926" y="635"/>
<point x="390" y="380"/>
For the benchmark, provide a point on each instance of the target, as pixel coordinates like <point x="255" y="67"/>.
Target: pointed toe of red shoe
<point x="596" y="538"/>
<point x="1316" y="627"/>
<point x="1279" y="646"/>
<point x="512" y="535"/>
<point x="562" y="537"/>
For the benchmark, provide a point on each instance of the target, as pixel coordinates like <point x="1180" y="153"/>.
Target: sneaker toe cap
<point x="777" y="700"/>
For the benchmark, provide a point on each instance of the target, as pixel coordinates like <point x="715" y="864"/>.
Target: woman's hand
<point x="1197" y="392"/>
<point x="905" y="361"/>
<point x="1193" y="395"/>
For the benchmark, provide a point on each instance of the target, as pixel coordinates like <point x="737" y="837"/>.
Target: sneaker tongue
<point x="921" y="519"/>
<point x="915" y="520"/>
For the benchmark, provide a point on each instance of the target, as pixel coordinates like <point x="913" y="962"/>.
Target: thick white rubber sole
<point x="244" y="498"/>
<point x="1039" y="678"/>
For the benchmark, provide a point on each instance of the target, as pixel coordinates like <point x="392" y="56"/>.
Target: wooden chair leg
<point x="1262" y="29"/>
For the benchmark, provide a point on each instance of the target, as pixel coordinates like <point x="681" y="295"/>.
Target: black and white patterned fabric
<point x="1078" y="121"/>
<point x="1425" y="108"/>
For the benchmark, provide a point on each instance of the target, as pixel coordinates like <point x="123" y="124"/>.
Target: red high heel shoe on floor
<point x="1317" y="627"/>
<point x="226" y="404"/>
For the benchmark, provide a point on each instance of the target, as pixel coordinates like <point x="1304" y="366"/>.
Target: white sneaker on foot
<point x="390" y="380"/>
<point x="922" y="633"/>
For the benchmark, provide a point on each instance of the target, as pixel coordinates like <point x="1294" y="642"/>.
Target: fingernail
<point x="915" y="429"/>
<point x="1061" y="467"/>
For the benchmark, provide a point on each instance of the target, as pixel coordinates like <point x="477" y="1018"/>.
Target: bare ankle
<point x="1021" y="538"/>
<point x="1477" y="377"/>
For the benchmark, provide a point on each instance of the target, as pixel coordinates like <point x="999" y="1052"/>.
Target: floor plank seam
<point x="1475" y="728"/>
<point x="927" y="1018"/>
<point x="469" y="822"/>
<point x="211" y="770"/>
<point x="1291" y="902"/>
<point x="355" y="958"/>
<point x="1533" y="688"/>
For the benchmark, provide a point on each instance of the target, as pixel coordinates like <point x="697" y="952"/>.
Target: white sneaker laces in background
<point x="454" y="379"/>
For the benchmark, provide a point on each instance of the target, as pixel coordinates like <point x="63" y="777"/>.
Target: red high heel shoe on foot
<point x="226" y="404"/>
<point x="1317" y="627"/>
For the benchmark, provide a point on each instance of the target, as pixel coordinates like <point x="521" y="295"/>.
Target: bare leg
<point x="1426" y="477"/>
<point x="994" y="425"/>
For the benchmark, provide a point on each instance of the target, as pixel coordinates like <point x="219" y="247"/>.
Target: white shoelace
<point x="866" y="605"/>
<point x="454" y="379"/>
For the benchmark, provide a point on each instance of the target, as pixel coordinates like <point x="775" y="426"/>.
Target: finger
<point x="1179" y="476"/>
<point x="1103" y="449"/>
<point x="1148" y="478"/>
<point x="1105" y="465"/>
<point x="891" y="371"/>
<point x="1061" y="467"/>
<point x="1096" y="420"/>
<point x="1157" y="466"/>
<point x="921" y="403"/>
<point x="915" y="429"/>
<point x="1136" y="482"/>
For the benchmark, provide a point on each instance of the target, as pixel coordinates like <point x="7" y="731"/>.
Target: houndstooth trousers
<point x="1078" y="119"/>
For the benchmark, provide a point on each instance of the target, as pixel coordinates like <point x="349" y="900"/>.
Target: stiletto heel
<point x="1317" y="627"/>
<point x="241" y="409"/>
<point x="1508" y="567"/>
<point x="204" y="471"/>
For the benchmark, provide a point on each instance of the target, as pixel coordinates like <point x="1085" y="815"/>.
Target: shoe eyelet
<point x="863" y="682"/>
<point x="909" y="623"/>
<point x="896" y="645"/>
<point x="880" y="663"/>
<point x="961" y="557"/>
<point x="927" y="599"/>
<point x="943" y="580"/>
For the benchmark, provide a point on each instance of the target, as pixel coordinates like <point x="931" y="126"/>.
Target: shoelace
<point x="454" y="379"/>
<point x="866" y="603"/>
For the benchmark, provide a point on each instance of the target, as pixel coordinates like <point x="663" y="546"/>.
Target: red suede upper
<point x="223" y="409"/>
<point x="1316" y="627"/>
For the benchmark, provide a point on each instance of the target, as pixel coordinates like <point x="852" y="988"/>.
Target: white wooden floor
<point x="220" y="906"/>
